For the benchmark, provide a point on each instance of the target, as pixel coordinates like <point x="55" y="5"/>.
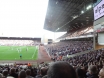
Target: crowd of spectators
<point x="93" y="57"/>
<point x="88" y="65"/>
<point x="66" y="48"/>
<point x="23" y="71"/>
<point x="18" y="42"/>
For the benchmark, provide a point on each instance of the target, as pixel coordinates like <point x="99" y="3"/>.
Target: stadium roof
<point x="68" y="15"/>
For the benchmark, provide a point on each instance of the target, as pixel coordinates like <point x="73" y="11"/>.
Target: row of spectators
<point x="18" y="42"/>
<point x="67" y="48"/>
<point x="91" y="58"/>
<point x="88" y="65"/>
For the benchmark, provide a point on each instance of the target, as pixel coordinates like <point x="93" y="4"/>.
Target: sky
<point x="23" y="18"/>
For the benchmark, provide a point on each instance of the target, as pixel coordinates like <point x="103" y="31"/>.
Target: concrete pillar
<point x="94" y="41"/>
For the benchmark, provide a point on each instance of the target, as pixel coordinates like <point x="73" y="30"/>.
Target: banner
<point x="99" y="10"/>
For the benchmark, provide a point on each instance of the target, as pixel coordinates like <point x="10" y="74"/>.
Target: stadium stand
<point x="19" y="41"/>
<point x="65" y="48"/>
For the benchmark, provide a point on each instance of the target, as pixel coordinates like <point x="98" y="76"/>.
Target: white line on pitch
<point x="34" y="53"/>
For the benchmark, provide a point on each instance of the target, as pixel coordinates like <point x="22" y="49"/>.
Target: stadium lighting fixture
<point x="57" y="29"/>
<point x="75" y="16"/>
<point x="82" y="12"/>
<point x="89" y="7"/>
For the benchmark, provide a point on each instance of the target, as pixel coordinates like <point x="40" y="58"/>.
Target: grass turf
<point x="14" y="52"/>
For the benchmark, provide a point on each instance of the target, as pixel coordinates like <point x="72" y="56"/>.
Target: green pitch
<point x="14" y="52"/>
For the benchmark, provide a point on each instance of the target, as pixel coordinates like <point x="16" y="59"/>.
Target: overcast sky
<point x="22" y="18"/>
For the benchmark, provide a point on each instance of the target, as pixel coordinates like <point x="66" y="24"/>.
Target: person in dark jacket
<point x="13" y="73"/>
<point x="28" y="73"/>
<point x="22" y="74"/>
<point x="43" y="72"/>
<point x="80" y="73"/>
<point x="93" y="72"/>
<point x="5" y="73"/>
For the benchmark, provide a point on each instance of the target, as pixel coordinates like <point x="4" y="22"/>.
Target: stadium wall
<point x="101" y="38"/>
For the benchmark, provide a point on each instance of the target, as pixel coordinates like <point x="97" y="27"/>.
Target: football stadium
<point x="51" y="38"/>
